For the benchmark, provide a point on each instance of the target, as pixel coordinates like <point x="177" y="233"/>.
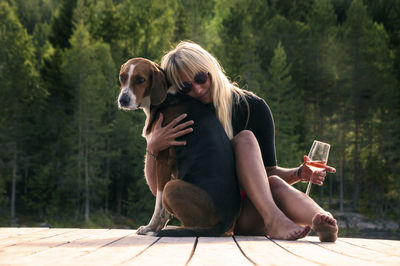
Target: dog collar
<point x="165" y="76"/>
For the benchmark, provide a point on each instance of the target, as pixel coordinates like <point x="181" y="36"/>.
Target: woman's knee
<point x="244" y="138"/>
<point x="276" y="183"/>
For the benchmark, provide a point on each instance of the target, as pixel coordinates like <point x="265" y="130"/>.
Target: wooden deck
<point x="44" y="246"/>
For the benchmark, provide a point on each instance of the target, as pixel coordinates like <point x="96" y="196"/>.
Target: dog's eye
<point x="139" y="80"/>
<point x="122" y="78"/>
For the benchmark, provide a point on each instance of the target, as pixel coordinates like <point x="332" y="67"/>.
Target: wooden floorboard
<point x="71" y="246"/>
<point x="166" y="251"/>
<point x="264" y="251"/>
<point x="218" y="251"/>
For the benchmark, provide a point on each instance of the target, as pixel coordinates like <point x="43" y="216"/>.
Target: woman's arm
<point x="303" y="172"/>
<point x="150" y="173"/>
<point x="160" y="139"/>
<point x="291" y="176"/>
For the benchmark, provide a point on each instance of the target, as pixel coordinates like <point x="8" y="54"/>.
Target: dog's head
<point x="143" y="83"/>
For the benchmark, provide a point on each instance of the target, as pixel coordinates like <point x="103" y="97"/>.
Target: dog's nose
<point x="124" y="99"/>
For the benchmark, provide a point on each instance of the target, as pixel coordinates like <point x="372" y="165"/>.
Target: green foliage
<point x="329" y="70"/>
<point x="286" y="107"/>
<point x="147" y="27"/>
<point x="62" y="24"/>
<point x="3" y="194"/>
<point x="382" y="184"/>
<point x="110" y="23"/>
<point x="139" y="202"/>
<point x="18" y="92"/>
<point x="196" y="15"/>
<point x="40" y="198"/>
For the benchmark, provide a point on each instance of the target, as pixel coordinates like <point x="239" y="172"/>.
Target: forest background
<point x="329" y="70"/>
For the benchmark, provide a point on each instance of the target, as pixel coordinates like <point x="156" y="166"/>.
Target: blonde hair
<point x="190" y="58"/>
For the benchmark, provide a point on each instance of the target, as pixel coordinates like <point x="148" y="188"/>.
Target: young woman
<point x="271" y="206"/>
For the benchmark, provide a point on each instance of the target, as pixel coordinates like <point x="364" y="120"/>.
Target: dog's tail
<point x="193" y="232"/>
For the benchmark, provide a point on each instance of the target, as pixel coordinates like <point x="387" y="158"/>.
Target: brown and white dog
<point x="196" y="183"/>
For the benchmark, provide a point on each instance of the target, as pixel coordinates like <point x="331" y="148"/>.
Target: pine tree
<point x="181" y="31"/>
<point x="89" y="69"/>
<point x="341" y="115"/>
<point x="62" y="24"/>
<point x="58" y="109"/>
<point x="43" y="48"/>
<point x="361" y="78"/>
<point x="237" y="50"/>
<point x="85" y="14"/>
<point x="387" y="13"/>
<point x="77" y="72"/>
<point x="319" y="69"/>
<point x="198" y="13"/>
<point x="18" y="91"/>
<point x="233" y="36"/>
<point x="285" y="104"/>
<point x="318" y="93"/>
<point x="148" y="27"/>
<point x="293" y="37"/>
<point x="110" y="23"/>
<point x="28" y="12"/>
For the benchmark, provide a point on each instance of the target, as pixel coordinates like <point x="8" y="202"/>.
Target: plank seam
<point x="107" y="244"/>
<point x="55" y="246"/>
<point x="16" y="236"/>
<point x="363" y="247"/>
<point x="341" y="253"/>
<point x="244" y="254"/>
<point x="141" y="252"/>
<point x="47" y="249"/>
<point x="41" y="229"/>
<point x="304" y="258"/>
<point x="193" y="250"/>
<point x="36" y="239"/>
<point x="383" y="242"/>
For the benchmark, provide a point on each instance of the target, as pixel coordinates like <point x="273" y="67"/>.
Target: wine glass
<point x="318" y="155"/>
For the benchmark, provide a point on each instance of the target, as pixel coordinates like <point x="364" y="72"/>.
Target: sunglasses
<point x="199" y="78"/>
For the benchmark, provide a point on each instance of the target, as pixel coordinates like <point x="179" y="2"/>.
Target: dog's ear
<point x="159" y="87"/>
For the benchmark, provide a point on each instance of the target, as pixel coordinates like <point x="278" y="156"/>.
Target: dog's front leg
<point x="160" y="216"/>
<point x="159" y="219"/>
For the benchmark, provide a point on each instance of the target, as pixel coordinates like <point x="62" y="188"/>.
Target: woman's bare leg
<point x="301" y="209"/>
<point x="253" y="179"/>
<point x="249" y="222"/>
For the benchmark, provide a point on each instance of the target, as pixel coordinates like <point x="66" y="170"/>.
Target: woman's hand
<point x="162" y="138"/>
<point x="317" y="176"/>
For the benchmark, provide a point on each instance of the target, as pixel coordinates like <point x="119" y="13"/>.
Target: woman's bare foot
<point x="326" y="227"/>
<point x="283" y="228"/>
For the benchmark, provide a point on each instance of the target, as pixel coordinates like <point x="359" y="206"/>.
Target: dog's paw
<point x="145" y="230"/>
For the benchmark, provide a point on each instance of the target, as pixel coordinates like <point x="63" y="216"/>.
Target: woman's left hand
<point x="316" y="177"/>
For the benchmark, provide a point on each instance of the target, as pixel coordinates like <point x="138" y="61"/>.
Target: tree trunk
<point x="78" y="192"/>
<point x="87" y="174"/>
<point x="356" y="166"/>
<point x="330" y="192"/>
<point x="119" y="192"/>
<point x="14" y="165"/>
<point x="14" y="181"/>
<point x="195" y="20"/>
<point x="107" y="173"/>
<point x="341" y="182"/>
<point x="342" y="147"/>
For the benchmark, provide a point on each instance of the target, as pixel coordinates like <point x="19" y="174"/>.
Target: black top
<point x="260" y="122"/>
